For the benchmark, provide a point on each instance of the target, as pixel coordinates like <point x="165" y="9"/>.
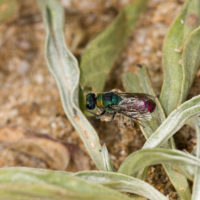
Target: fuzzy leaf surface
<point x="175" y="85"/>
<point x="147" y="157"/>
<point x="174" y="122"/>
<point x="64" y="67"/>
<point x="191" y="61"/>
<point x="123" y="183"/>
<point x="19" y="183"/>
<point x="101" y="53"/>
<point x="196" y="184"/>
<point x="140" y="82"/>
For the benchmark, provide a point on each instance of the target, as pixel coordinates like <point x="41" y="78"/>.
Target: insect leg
<point x="134" y="119"/>
<point x="101" y="114"/>
<point x="96" y="115"/>
<point x="138" y="122"/>
<point x="113" y="116"/>
<point x="121" y="121"/>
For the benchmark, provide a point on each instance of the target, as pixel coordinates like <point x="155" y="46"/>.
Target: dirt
<point x="29" y="96"/>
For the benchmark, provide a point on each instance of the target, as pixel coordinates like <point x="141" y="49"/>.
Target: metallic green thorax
<point x="106" y="99"/>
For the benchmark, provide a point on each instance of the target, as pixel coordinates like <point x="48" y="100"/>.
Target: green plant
<point x="24" y="183"/>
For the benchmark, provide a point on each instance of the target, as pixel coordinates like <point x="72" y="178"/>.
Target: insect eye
<point x="90" y="101"/>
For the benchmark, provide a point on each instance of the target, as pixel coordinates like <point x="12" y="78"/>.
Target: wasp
<point x="137" y="106"/>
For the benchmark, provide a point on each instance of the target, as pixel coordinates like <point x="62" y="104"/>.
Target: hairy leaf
<point x="175" y="86"/>
<point x="64" y="67"/>
<point x="101" y="53"/>
<point x="178" y="181"/>
<point x="147" y="157"/>
<point x="196" y="185"/>
<point x="174" y="122"/>
<point x="29" y="183"/>
<point x="191" y="61"/>
<point x="140" y="82"/>
<point x="122" y="183"/>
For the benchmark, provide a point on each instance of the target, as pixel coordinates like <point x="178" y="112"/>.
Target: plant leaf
<point x="64" y="67"/>
<point x="191" y="61"/>
<point x="172" y="93"/>
<point x="174" y="122"/>
<point x="186" y="170"/>
<point x="140" y="82"/>
<point x="107" y="162"/>
<point x="196" y="184"/>
<point x="101" y="53"/>
<point x="29" y="183"/>
<point x="122" y="183"/>
<point x="147" y="157"/>
<point x="179" y="182"/>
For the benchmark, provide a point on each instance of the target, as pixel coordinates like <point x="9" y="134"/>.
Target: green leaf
<point x="64" y="67"/>
<point x="191" y="61"/>
<point x="7" y="8"/>
<point x="147" y="157"/>
<point x="173" y="93"/>
<point x="140" y="82"/>
<point x="101" y="53"/>
<point x="186" y="170"/>
<point x="179" y="182"/>
<point x="106" y="159"/>
<point x="196" y="185"/>
<point x="174" y="122"/>
<point x="122" y="183"/>
<point x="19" y="183"/>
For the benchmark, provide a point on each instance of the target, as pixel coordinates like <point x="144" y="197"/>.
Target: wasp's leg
<point x="101" y="114"/>
<point x="113" y="116"/>
<point x="135" y="119"/>
<point x="132" y="123"/>
<point x="121" y="121"/>
<point x="97" y="115"/>
<point x="138" y="122"/>
<point x="92" y="113"/>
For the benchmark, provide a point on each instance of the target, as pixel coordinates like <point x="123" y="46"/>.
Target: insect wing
<point x="136" y="95"/>
<point x="133" y="107"/>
